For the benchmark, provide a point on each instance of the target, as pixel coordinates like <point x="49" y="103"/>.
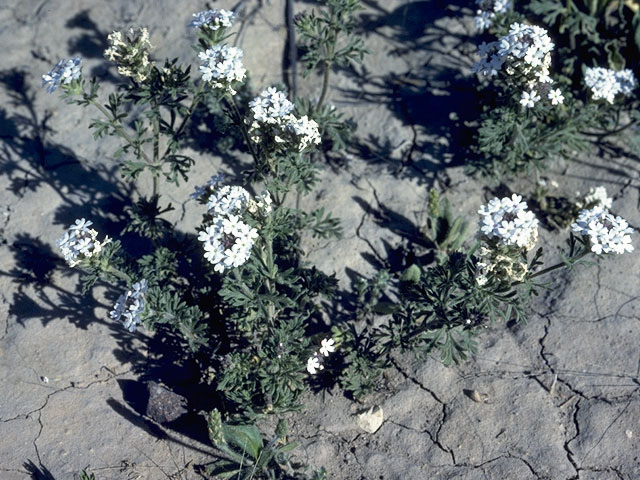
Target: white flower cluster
<point x="524" y="54"/>
<point x="508" y="222"/>
<point x="222" y="67"/>
<point x="606" y="83"/>
<point x="487" y="10"/>
<point x="130" y="52"/>
<point x="131" y="306"/>
<point x="213" y="19"/>
<point x="63" y="73"/>
<point x="270" y="106"/>
<point x="315" y="362"/>
<point x="227" y="242"/>
<point x="303" y="132"/>
<point x="227" y="239"/>
<point x="228" y="200"/>
<point x="271" y="120"/>
<point x="606" y="233"/>
<point x="597" y="197"/>
<point x="80" y="242"/>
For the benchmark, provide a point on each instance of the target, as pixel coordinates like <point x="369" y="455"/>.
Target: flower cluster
<point x="130" y="52"/>
<point x="606" y="83"/>
<point x="80" y="242"/>
<point x="524" y="55"/>
<point x="222" y="67"/>
<point x="597" y="197"/>
<point x="213" y="19"/>
<point x="228" y="200"/>
<point x="606" y="233"/>
<point x="270" y="106"/>
<point x="507" y="222"/>
<point x="227" y="242"/>
<point x="131" y="306"/>
<point x="487" y="10"/>
<point x="227" y="239"/>
<point x="500" y="264"/>
<point x="272" y="124"/>
<point x="63" y="73"/>
<point x="315" y="362"/>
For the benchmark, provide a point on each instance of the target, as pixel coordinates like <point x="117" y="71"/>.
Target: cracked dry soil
<point x="562" y="393"/>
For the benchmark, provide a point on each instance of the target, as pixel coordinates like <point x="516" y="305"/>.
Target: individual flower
<point x="213" y="19"/>
<point x="222" y="67"/>
<point x="314" y="364"/>
<point x="507" y="222"/>
<point x="487" y="10"/>
<point x="131" y="306"/>
<point x="130" y="52"/>
<point x="327" y="346"/>
<point x="555" y="96"/>
<point x="64" y="72"/>
<point x="606" y="233"/>
<point x="606" y="83"/>
<point x="80" y="242"/>
<point x="529" y="99"/>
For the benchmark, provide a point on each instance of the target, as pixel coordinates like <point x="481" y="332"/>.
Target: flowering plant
<point x="547" y="98"/>
<point x="444" y="305"/>
<point x="237" y="289"/>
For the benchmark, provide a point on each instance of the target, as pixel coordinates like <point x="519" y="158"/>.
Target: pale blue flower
<point x="62" y="74"/>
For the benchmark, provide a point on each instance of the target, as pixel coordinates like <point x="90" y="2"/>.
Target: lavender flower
<point x="508" y="222"/>
<point x="63" y="73"/>
<point x="131" y="306"/>
<point x="213" y="19"/>
<point x="606" y="233"/>
<point x="80" y="242"/>
<point x="222" y="66"/>
<point x="606" y="83"/>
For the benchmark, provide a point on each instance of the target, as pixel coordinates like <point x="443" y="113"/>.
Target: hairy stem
<point x="120" y="129"/>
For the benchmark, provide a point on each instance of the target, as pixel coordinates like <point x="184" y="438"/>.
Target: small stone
<point x="476" y="396"/>
<point x="629" y="434"/>
<point x="370" y="420"/>
<point x="164" y="406"/>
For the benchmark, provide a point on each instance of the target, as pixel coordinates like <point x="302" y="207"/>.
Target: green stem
<point x="559" y="265"/>
<point x="118" y="274"/>
<point x="196" y="100"/>
<point x="243" y="129"/>
<point x="325" y="84"/>
<point x="156" y="147"/>
<point x="120" y="129"/>
<point x="611" y="132"/>
<point x="270" y="282"/>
